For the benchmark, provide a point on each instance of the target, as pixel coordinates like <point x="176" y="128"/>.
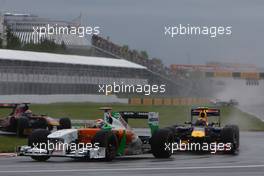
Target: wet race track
<point x="250" y="161"/>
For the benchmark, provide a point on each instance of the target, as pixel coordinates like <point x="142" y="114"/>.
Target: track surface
<point x="250" y="161"/>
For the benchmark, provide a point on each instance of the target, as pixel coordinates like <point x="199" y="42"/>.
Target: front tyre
<point x="40" y="123"/>
<point x="159" y="141"/>
<point x="109" y="141"/>
<point x="39" y="138"/>
<point x="65" y="123"/>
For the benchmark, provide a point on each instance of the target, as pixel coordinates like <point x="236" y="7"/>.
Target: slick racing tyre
<point x="22" y="124"/>
<point x="236" y="128"/>
<point x="65" y="123"/>
<point x="230" y="134"/>
<point x="12" y="124"/>
<point x="39" y="138"/>
<point x="108" y="140"/>
<point x="40" y="123"/>
<point x="158" y="143"/>
<point x="172" y="128"/>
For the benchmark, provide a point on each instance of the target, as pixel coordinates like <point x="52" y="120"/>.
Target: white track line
<point x="132" y="169"/>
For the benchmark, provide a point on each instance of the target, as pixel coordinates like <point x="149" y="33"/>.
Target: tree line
<point x="45" y="45"/>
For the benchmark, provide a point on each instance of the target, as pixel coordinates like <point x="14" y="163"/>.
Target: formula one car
<point x="22" y="121"/>
<point x="218" y="102"/>
<point x="200" y="134"/>
<point x="101" y="139"/>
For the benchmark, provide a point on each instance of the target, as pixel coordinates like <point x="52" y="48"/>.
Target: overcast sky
<point x="140" y="24"/>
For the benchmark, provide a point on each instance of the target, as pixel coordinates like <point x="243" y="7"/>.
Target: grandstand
<point x="21" y="25"/>
<point x="220" y="70"/>
<point x="24" y="72"/>
<point x="177" y="85"/>
<point x="108" y="48"/>
<point x="42" y="73"/>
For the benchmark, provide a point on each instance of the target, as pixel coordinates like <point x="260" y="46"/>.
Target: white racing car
<point x="101" y="139"/>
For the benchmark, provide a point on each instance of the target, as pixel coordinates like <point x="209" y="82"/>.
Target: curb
<point x="7" y="155"/>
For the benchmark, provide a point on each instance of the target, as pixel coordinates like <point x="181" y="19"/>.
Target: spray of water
<point x="250" y="98"/>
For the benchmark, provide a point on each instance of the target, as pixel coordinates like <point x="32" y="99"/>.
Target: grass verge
<point x="9" y="143"/>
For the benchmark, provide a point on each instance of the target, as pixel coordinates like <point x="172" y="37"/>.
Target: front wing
<point x="87" y="154"/>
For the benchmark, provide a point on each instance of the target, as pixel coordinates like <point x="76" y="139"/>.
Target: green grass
<point x="168" y="115"/>
<point x="9" y="143"/>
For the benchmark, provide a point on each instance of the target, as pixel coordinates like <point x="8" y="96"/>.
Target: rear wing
<point x="133" y="115"/>
<point x="8" y="105"/>
<point x="209" y="111"/>
<point x="11" y="105"/>
<point x="153" y="118"/>
<point x="17" y="108"/>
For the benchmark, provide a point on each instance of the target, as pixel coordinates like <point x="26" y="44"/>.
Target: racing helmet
<point x="99" y="123"/>
<point x="203" y="115"/>
<point x="202" y="119"/>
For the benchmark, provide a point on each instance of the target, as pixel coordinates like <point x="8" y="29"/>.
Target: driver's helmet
<point x="202" y="119"/>
<point x="99" y="123"/>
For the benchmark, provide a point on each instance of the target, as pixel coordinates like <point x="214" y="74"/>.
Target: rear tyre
<point x="40" y="123"/>
<point x="12" y="124"/>
<point x="108" y="140"/>
<point x="22" y="124"/>
<point x="65" y="123"/>
<point x="39" y="139"/>
<point x="230" y="134"/>
<point x="172" y="128"/>
<point x="158" y="143"/>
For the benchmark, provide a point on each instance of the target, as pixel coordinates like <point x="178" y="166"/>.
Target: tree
<point x="13" y="41"/>
<point x="144" y="54"/>
<point x="45" y="45"/>
<point x="157" y="61"/>
<point x="125" y="48"/>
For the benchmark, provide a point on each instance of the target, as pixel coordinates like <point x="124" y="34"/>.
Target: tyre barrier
<point x="168" y="101"/>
